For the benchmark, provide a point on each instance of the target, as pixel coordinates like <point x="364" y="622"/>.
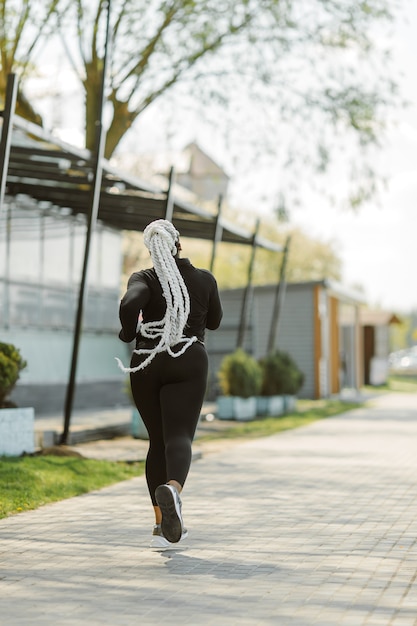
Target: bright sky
<point x="378" y="244"/>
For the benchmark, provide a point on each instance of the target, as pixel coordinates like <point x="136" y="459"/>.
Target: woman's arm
<point x="135" y="298"/>
<point x="215" y="311"/>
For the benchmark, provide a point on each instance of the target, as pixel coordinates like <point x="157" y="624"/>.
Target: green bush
<point x="280" y="375"/>
<point x="240" y="375"/>
<point x="11" y="364"/>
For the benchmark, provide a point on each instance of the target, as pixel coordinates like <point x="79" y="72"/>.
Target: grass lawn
<point x="406" y="384"/>
<point x="308" y="411"/>
<point x="28" y="482"/>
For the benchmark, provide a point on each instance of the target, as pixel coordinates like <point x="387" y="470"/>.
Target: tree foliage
<point x="240" y="375"/>
<point x="24" y="27"/>
<point x="294" y="77"/>
<point x="280" y="374"/>
<point x="313" y="67"/>
<point x="308" y="258"/>
<point x="11" y="364"/>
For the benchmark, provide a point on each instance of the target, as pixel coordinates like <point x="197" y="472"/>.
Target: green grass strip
<point x="402" y="384"/>
<point x="307" y="412"/>
<point x="29" y="482"/>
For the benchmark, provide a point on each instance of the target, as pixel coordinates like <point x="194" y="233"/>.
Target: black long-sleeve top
<point x="144" y="293"/>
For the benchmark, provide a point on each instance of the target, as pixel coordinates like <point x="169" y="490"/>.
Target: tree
<point x="297" y="62"/>
<point x="155" y="45"/>
<point x="288" y="71"/>
<point x="308" y="259"/>
<point x="23" y="28"/>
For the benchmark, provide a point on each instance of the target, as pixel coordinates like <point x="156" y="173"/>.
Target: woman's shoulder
<point x="149" y="273"/>
<point x="206" y="273"/>
<point x="206" y="277"/>
<point x="196" y="274"/>
<point x="144" y="276"/>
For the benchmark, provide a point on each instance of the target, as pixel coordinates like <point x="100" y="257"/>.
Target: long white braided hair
<point x="161" y="237"/>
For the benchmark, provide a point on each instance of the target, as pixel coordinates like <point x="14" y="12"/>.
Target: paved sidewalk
<point x="315" y="526"/>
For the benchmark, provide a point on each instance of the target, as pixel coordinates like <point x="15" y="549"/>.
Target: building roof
<point x="200" y="163"/>
<point x="377" y="317"/>
<point x="49" y="170"/>
<point x="333" y="288"/>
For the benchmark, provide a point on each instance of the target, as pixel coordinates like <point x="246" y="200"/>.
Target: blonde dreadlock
<point x="161" y="237"/>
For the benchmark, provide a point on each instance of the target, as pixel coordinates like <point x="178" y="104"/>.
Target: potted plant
<point x="281" y="381"/>
<point x="17" y="425"/>
<point x="270" y="401"/>
<point x="239" y="378"/>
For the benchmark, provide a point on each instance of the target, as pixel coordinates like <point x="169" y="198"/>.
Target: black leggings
<point x="169" y="394"/>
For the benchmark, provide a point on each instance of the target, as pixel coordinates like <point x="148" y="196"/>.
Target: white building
<point x="41" y="255"/>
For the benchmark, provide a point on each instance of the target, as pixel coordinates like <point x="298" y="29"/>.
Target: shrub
<point x="11" y="364"/>
<point x="280" y="375"/>
<point x="240" y="375"/>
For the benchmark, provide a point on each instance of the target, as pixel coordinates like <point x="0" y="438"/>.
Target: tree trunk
<point x="121" y="122"/>
<point x="92" y="86"/>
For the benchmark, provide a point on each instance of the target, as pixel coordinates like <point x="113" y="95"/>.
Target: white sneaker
<point x="160" y="543"/>
<point x="169" y="502"/>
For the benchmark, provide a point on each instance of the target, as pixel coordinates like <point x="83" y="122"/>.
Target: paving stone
<point x="311" y="526"/>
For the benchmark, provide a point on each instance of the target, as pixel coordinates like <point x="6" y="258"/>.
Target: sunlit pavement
<point x="312" y="526"/>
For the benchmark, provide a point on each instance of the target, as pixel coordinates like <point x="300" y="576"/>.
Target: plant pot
<point x="138" y="427"/>
<point x="270" y="405"/>
<point x="245" y="409"/>
<point x="262" y="406"/>
<point x="290" y="403"/>
<point x="17" y="431"/>
<point x="225" y="408"/>
<point x="234" y="407"/>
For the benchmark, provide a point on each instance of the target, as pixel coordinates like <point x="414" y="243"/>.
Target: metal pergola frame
<point x="47" y="169"/>
<point x="35" y="163"/>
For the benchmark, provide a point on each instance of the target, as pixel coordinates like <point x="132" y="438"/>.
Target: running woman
<point x="175" y="302"/>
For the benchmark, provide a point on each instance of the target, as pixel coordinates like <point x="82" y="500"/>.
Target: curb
<point x="48" y="438"/>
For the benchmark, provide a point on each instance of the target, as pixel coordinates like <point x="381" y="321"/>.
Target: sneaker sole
<point x="160" y="543"/>
<point x="171" y="524"/>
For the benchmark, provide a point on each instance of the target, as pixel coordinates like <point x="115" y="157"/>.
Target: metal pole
<point x="6" y="303"/>
<point x="279" y="297"/>
<point x="248" y="292"/>
<point x="217" y="233"/>
<point x="41" y="275"/>
<point x="169" y="209"/>
<point x="92" y="218"/>
<point x="6" y="133"/>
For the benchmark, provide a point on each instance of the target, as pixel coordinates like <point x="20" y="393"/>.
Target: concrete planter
<point x="290" y="403"/>
<point x="270" y="405"/>
<point x="236" y="408"/>
<point x="17" y="431"/>
<point x="138" y="427"/>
